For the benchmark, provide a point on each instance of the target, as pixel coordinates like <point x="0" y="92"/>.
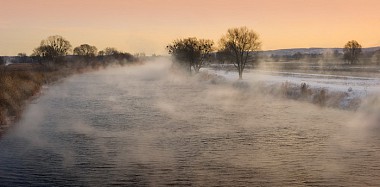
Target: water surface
<point x="138" y="126"/>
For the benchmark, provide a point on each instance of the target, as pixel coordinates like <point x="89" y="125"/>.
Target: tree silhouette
<point x="191" y="52"/>
<point x="352" y="51"/>
<point x="52" y="49"/>
<point x="240" y="46"/>
<point x="21" y="54"/>
<point x="86" y="50"/>
<point x="110" y="51"/>
<point x="110" y="54"/>
<point x="101" y="53"/>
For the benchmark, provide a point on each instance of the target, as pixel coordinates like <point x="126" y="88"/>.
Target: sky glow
<point x="149" y="25"/>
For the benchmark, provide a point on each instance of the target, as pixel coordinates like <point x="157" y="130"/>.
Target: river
<point x="141" y="126"/>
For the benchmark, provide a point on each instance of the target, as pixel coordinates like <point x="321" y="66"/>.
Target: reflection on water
<point x="121" y="127"/>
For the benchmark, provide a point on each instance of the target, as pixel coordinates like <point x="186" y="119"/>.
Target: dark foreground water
<point x="137" y="126"/>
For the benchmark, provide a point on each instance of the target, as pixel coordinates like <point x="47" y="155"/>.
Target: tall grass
<point x="18" y="85"/>
<point x="16" y="88"/>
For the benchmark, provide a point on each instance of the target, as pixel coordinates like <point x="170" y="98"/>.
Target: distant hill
<point x="286" y="52"/>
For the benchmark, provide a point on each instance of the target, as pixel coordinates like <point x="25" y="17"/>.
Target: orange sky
<point x="149" y="25"/>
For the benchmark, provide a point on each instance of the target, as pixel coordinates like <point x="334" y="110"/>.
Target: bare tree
<point x="86" y="50"/>
<point x="111" y="54"/>
<point x="240" y="45"/>
<point x="109" y="51"/>
<point x="52" y="48"/>
<point x="101" y="53"/>
<point x="205" y="47"/>
<point x="22" y="57"/>
<point x="21" y="54"/>
<point x="352" y="51"/>
<point x="191" y="52"/>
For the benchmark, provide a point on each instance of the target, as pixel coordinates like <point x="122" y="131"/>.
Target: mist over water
<point x="144" y="126"/>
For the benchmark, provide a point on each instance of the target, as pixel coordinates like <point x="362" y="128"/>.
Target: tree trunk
<point x="240" y="74"/>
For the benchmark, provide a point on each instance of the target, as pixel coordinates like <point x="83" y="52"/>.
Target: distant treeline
<point x="71" y="58"/>
<point x="337" y="56"/>
<point x="333" y="57"/>
<point x="22" y="76"/>
<point x="55" y="51"/>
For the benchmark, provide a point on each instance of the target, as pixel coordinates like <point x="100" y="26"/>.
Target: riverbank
<point x="21" y="83"/>
<point x="145" y="126"/>
<point x="18" y="87"/>
<point x="336" y="91"/>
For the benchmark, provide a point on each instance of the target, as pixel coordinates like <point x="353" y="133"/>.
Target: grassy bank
<point x="346" y="100"/>
<point x="19" y="83"/>
<point x="17" y="87"/>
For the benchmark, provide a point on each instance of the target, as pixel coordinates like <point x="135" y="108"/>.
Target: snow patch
<point x="350" y="88"/>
